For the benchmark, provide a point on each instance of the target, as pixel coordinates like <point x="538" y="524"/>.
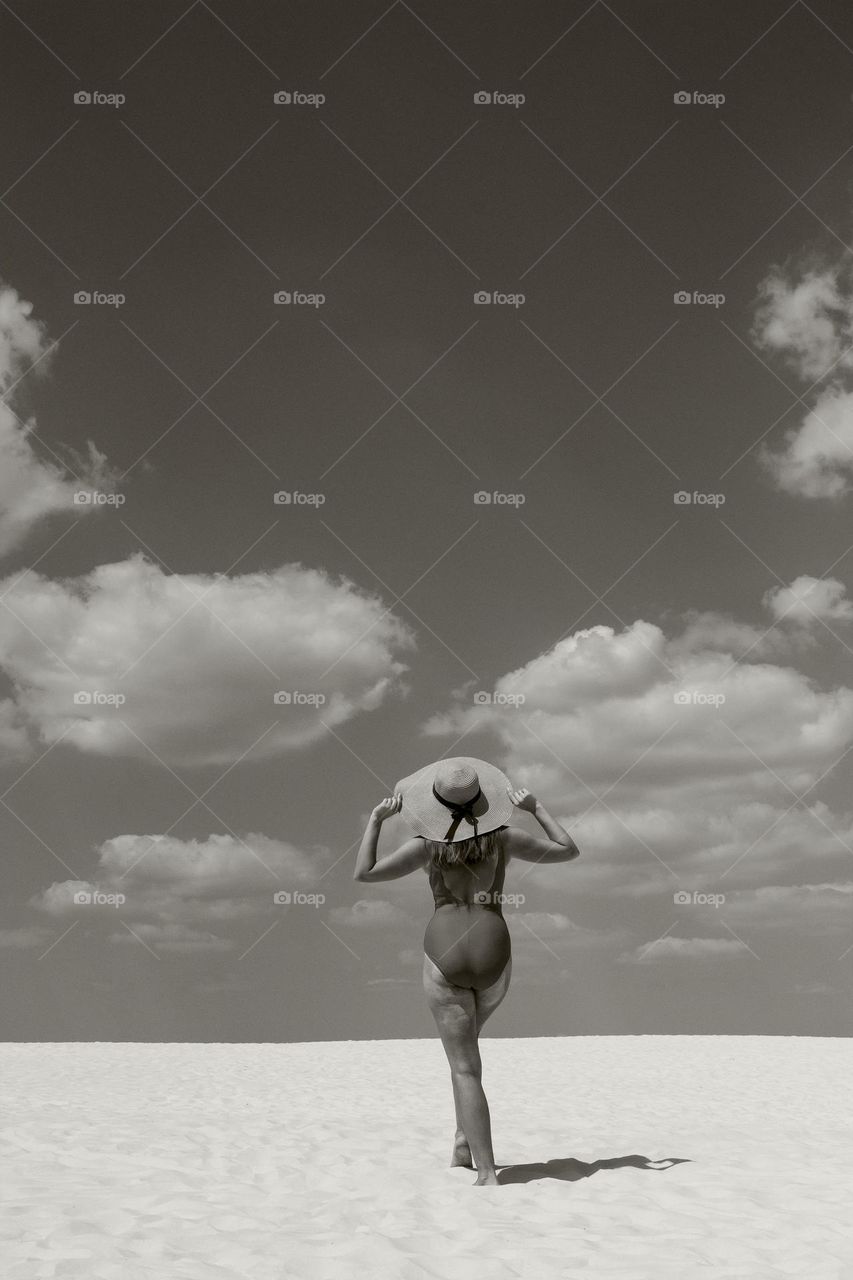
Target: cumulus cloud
<point x="805" y="315"/>
<point x="825" y="909"/>
<point x="670" y="948"/>
<point x="369" y="913"/>
<point x="32" y="488"/>
<point x="816" y="460"/>
<point x="173" y="888"/>
<point x="553" y="929"/>
<point x="171" y="937"/>
<point x="808" y="599"/>
<point x="196" y="658"/>
<point x="710" y="630"/>
<point x="669" y="761"/>
<point x="14" y="739"/>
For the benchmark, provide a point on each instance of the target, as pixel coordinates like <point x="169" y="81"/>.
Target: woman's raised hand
<point x="522" y="799"/>
<point x="389" y="806"/>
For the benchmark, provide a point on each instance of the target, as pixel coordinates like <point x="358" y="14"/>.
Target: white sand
<point x="329" y="1161"/>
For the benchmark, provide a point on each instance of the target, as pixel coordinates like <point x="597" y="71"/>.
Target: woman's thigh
<point x="455" y="1014"/>
<point x="487" y="1000"/>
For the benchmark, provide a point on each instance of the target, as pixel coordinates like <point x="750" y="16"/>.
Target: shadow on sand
<point x="570" y="1170"/>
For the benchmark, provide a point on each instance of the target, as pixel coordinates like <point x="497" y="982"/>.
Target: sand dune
<point x="635" y="1157"/>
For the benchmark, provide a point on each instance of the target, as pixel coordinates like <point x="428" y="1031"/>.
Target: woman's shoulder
<point x="505" y="836"/>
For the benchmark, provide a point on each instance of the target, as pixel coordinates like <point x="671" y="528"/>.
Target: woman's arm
<point x="560" y="846"/>
<point x="409" y="857"/>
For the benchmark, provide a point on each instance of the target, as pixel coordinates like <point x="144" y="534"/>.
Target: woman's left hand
<point x="386" y="808"/>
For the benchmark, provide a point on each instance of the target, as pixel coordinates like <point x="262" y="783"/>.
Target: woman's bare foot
<point x="461" y="1152"/>
<point x="487" y="1179"/>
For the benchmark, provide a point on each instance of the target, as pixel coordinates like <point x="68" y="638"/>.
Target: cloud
<point x="369" y="913"/>
<point x="670" y="948"/>
<point x="660" y="794"/>
<point x="816" y="460"/>
<point x="805" y="315"/>
<point x="553" y="928"/>
<point x="808" y="599"/>
<point x="825" y="910"/>
<point x="14" y="739"/>
<point x="32" y="489"/>
<point x="197" y="659"/>
<point x="172" y="888"/>
<point x="715" y="632"/>
<point x="171" y="937"/>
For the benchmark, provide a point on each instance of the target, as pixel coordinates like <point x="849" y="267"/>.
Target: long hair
<point x="475" y="849"/>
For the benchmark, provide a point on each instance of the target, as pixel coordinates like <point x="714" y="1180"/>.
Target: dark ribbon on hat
<point x="459" y="811"/>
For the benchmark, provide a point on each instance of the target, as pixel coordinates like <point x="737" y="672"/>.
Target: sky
<point x="384" y="383"/>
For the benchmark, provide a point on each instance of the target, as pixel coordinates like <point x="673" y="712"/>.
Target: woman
<point x="459" y="808"/>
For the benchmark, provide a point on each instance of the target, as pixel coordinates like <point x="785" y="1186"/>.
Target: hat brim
<point x="426" y="816"/>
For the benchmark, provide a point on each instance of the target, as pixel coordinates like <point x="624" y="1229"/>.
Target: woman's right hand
<point x="522" y="799"/>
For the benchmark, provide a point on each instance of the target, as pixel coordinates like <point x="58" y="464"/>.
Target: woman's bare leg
<point x="455" y="1015"/>
<point x="485" y="1003"/>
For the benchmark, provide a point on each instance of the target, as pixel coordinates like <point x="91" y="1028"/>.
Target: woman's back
<point x="467" y="938"/>
<point x="471" y="883"/>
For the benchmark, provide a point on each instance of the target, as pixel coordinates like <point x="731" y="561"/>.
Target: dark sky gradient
<point x="498" y="198"/>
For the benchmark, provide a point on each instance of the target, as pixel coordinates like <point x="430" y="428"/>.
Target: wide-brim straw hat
<point x="474" y="796"/>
